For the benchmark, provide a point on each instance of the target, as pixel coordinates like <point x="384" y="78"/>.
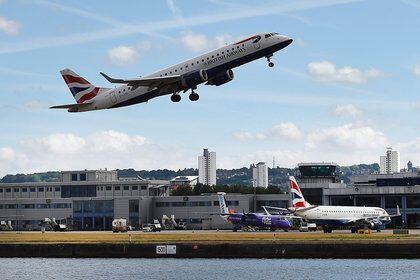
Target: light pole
<point x="254" y="185"/>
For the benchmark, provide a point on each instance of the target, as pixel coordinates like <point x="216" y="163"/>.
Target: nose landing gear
<point x="270" y="64"/>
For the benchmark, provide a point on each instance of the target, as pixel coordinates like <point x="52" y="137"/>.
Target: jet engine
<point x="221" y="79"/>
<point x="191" y="80"/>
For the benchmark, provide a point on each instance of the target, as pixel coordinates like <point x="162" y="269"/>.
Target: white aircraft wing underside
<point x="148" y="82"/>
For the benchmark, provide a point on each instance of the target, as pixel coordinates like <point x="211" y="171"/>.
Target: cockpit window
<point x="274" y="33"/>
<point x="267" y="35"/>
<point x="257" y="39"/>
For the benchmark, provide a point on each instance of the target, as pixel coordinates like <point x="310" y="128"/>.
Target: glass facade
<point x="133" y="213"/>
<point x="413" y="201"/>
<point x="317" y="171"/>
<point x="35" y="206"/>
<point x="78" y="191"/>
<point x="393" y="201"/>
<point x="93" y="214"/>
<point x="368" y="201"/>
<point x="342" y="200"/>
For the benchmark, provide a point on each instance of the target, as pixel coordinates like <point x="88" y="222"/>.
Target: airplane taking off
<point x="212" y="68"/>
<point x="331" y="217"/>
<point x="252" y="220"/>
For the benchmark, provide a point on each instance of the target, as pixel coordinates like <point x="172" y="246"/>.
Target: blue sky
<point x="346" y="88"/>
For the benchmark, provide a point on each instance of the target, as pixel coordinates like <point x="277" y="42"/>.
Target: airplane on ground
<point x="252" y="220"/>
<point x="331" y="217"/>
<point x="212" y="68"/>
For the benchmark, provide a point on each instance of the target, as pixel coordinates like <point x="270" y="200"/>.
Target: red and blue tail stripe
<point x="81" y="89"/>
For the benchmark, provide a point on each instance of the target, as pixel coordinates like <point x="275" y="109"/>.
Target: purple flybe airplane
<point x="252" y="220"/>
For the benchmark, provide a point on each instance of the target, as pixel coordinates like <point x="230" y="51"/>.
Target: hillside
<point x="242" y="176"/>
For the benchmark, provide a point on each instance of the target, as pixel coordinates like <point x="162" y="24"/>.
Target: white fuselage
<point x="341" y="215"/>
<point x="221" y="59"/>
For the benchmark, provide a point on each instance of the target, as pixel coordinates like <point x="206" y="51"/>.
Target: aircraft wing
<point x="275" y="208"/>
<point x="149" y="82"/>
<point x="369" y="219"/>
<point x="291" y="209"/>
<point x="72" y="106"/>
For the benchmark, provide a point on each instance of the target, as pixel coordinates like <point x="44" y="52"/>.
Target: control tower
<point x="314" y="177"/>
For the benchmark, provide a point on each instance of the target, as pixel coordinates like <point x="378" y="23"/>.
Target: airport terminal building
<point x="91" y="199"/>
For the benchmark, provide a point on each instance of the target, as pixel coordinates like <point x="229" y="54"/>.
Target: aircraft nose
<point x="285" y="39"/>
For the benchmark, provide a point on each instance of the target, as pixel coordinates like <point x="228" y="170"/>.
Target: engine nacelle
<point x="195" y="78"/>
<point x="222" y="78"/>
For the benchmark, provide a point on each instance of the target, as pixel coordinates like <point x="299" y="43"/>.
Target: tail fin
<point x="80" y="88"/>
<point x="297" y="197"/>
<point x="223" y="206"/>
<point x="222" y="203"/>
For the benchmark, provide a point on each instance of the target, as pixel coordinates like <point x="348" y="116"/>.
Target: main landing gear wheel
<point x="175" y="98"/>
<point x="270" y="64"/>
<point x="194" y="96"/>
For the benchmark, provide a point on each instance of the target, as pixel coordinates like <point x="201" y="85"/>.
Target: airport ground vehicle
<point x="52" y="223"/>
<point x="305" y="227"/>
<point x="120" y="225"/>
<point x="5" y="225"/>
<point x="172" y="224"/>
<point x="155" y="227"/>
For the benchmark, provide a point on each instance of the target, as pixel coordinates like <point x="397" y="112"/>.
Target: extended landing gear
<point x="327" y="229"/>
<point x="194" y="96"/>
<point x="175" y="98"/>
<point x="270" y="64"/>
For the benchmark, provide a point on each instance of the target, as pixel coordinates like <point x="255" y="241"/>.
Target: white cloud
<point x="7" y="154"/>
<point x="246" y="136"/>
<point x="347" y="110"/>
<point x="416" y="105"/>
<point x="58" y="144"/>
<point x="111" y="149"/>
<point x="9" y="27"/>
<point x="299" y="42"/>
<point x="288" y="130"/>
<point x="194" y="42"/>
<point x="115" y="141"/>
<point x="285" y="130"/>
<point x="151" y="28"/>
<point x="124" y="55"/>
<point x="222" y="40"/>
<point x="347" y="137"/>
<point x="325" y="71"/>
<point x="416" y="70"/>
<point x="176" y="12"/>
<point x="36" y="105"/>
<point x="197" y="42"/>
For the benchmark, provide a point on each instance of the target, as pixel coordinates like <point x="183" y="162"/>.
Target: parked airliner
<point x="330" y="217"/>
<point x="212" y="68"/>
<point x="252" y="220"/>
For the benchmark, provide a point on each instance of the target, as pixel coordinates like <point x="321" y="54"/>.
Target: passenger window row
<point x="198" y="62"/>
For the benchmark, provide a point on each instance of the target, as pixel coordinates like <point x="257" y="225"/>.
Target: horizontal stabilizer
<point x="72" y="106"/>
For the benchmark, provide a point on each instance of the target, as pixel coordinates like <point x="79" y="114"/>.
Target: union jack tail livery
<point x="80" y="88"/>
<point x="297" y="197"/>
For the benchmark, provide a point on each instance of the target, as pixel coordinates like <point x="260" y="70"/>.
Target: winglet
<point x="398" y="211"/>
<point x="112" y="80"/>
